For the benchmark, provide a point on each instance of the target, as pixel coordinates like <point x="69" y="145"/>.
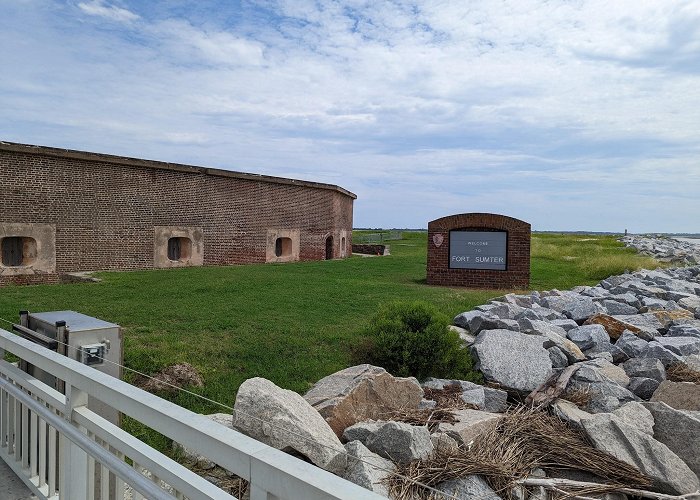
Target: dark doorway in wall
<point x="329" y="248"/>
<point x="179" y="249"/>
<point x="283" y="247"/>
<point x="18" y="251"/>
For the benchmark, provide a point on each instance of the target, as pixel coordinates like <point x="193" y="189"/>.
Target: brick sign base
<point x="517" y="269"/>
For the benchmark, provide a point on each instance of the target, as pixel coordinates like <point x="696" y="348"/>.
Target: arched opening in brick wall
<point x="283" y="247"/>
<point x="18" y="251"/>
<point x="329" y="248"/>
<point x="179" y="249"/>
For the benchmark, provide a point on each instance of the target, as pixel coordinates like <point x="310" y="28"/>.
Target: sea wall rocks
<point x="617" y="343"/>
<point x="665" y="249"/>
<point x="361" y="393"/>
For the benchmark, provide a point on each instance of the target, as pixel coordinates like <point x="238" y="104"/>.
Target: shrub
<point x="413" y="339"/>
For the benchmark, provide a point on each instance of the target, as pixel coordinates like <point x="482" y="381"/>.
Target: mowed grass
<point x="290" y="323"/>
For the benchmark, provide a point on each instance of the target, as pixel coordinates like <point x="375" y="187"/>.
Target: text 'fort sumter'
<point x="478" y="249"/>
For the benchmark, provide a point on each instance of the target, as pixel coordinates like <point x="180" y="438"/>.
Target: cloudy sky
<point x="571" y="115"/>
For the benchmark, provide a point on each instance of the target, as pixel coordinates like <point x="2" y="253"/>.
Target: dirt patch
<point x="172" y="378"/>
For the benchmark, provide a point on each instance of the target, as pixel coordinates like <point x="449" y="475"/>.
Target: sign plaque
<point x="478" y="250"/>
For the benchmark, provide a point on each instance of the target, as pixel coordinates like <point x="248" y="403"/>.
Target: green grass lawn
<point x="290" y="323"/>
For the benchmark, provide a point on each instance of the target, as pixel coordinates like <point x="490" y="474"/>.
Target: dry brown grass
<point x="171" y="378"/>
<point x="446" y="400"/>
<point x="449" y="397"/>
<point x="680" y="372"/>
<point x="526" y="438"/>
<point x="581" y="397"/>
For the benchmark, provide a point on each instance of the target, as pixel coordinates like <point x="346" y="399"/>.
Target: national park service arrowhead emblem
<point x="438" y="239"/>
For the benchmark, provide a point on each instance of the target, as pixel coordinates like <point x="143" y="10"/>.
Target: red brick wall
<point x="517" y="273"/>
<point x="105" y="211"/>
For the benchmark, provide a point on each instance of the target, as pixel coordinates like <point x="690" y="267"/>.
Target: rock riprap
<point x="284" y="420"/>
<point x="665" y="249"/>
<point x="516" y="361"/>
<point x="615" y="348"/>
<point x="361" y="392"/>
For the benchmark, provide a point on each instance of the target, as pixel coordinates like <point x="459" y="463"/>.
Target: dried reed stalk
<point x="430" y="417"/>
<point x="449" y="397"/>
<point x="446" y="400"/>
<point x="680" y="372"/>
<point x="580" y="397"/>
<point x="527" y="438"/>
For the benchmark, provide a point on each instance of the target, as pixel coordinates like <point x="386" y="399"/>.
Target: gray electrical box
<point x="91" y="341"/>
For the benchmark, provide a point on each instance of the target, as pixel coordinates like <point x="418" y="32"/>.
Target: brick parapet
<point x="106" y="212"/>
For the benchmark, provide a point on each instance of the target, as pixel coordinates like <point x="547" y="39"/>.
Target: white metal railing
<point x="63" y="450"/>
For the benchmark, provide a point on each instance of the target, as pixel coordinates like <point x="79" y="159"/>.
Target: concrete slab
<point x="12" y="487"/>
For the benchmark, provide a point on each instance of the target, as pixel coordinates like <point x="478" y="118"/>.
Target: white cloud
<point x="431" y="106"/>
<point x="102" y="9"/>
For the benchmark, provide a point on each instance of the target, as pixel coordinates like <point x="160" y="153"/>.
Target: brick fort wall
<point x="105" y="210"/>
<point x="517" y="273"/>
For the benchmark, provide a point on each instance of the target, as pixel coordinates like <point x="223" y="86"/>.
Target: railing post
<point x="74" y="460"/>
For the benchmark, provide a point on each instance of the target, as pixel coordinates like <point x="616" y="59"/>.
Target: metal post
<point x="74" y="460"/>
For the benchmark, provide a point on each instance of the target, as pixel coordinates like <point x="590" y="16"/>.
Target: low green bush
<point x="413" y="339"/>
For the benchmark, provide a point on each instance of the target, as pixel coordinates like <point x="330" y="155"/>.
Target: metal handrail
<point x="137" y="481"/>
<point x="267" y="469"/>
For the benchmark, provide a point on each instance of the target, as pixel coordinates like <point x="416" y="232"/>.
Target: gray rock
<point x="613" y="372"/>
<point x="613" y="307"/>
<point x="367" y="469"/>
<point x="635" y="414"/>
<point x="400" y="442"/>
<point x="442" y="441"/>
<point x="588" y="336"/>
<point x="540" y="327"/>
<point x="606" y="394"/>
<point x="518" y="300"/>
<point x="581" y="310"/>
<point x="570" y="349"/>
<point x="683" y="330"/>
<point x="626" y="298"/>
<point x="643" y="387"/>
<point x="569" y="412"/>
<point x="469" y="425"/>
<point x="625" y="442"/>
<point x="361" y="430"/>
<point x="531" y="313"/>
<point x="516" y="361"/>
<point x="505" y="310"/>
<point x="484" y="398"/>
<point x="646" y="321"/>
<point x="464" y="319"/>
<point x="470" y="487"/>
<point x="566" y="324"/>
<point x="595" y="292"/>
<point x="600" y="355"/>
<point x="692" y="362"/>
<point x="286" y="421"/>
<point x="679" y="430"/>
<point x="655" y="350"/>
<point x="652" y="303"/>
<point x="683" y="346"/>
<point x="631" y="345"/>
<point x="690" y="303"/>
<point x="558" y="357"/>
<point x="645" y="367"/>
<point x="361" y="392"/>
<point x="546" y="313"/>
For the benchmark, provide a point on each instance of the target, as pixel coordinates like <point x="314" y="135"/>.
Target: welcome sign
<point x="478" y="250"/>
